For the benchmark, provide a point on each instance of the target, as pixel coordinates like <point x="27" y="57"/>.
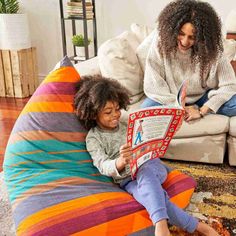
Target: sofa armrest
<point x="88" y="67"/>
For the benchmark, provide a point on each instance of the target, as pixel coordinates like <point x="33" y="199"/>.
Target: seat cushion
<point x="232" y="141"/>
<point x="53" y="186"/>
<point x="232" y="126"/>
<point x="210" y="125"/>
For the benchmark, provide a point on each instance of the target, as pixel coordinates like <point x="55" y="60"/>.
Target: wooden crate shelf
<point x="18" y="72"/>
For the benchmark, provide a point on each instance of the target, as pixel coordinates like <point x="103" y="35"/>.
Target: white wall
<point x="113" y="17"/>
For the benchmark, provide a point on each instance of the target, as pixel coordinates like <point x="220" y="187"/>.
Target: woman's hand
<point x="191" y="113"/>
<point x="204" y="110"/>
<point x="124" y="158"/>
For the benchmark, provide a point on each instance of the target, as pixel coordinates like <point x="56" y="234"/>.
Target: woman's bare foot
<point x="206" y="229"/>
<point x="161" y="228"/>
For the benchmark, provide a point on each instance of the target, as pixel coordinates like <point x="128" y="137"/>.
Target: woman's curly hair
<point x="208" y="39"/>
<point x="93" y="92"/>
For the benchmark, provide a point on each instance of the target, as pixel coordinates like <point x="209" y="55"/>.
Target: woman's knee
<point x="228" y="108"/>
<point x="149" y="103"/>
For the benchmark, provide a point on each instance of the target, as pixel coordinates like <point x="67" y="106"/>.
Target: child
<point x="98" y="104"/>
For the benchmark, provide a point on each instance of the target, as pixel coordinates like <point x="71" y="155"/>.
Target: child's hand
<point x="124" y="158"/>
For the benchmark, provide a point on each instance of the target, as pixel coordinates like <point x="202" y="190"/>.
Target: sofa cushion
<point x="232" y="126"/>
<point x="211" y="124"/>
<point x="117" y="60"/>
<point x="141" y="31"/>
<point x="53" y="186"/>
<point x="143" y="48"/>
<point x="88" y="67"/>
<point x="230" y="21"/>
<point x="230" y="49"/>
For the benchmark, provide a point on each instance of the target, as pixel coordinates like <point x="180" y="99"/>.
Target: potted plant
<point x="78" y="41"/>
<point x="9" y="7"/>
<point x="14" y="28"/>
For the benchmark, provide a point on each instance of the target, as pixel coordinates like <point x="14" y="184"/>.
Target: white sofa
<point x="123" y="58"/>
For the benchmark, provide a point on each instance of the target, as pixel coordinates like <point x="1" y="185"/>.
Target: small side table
<point x="232" y="36"/>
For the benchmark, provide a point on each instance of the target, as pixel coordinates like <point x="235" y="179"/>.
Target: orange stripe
<point x="119" y="227"/>
<point x="40" y="162"/>
<point x="11" y="155"/>
<point x="52" y="98"/>
<point x="25" y="179"/>
<point x="15" y="175"/>
<point x="63" y="74"/>
<point x="61" y="208"/>
<point x="74" y="213"/>
<point x="42" y="135"/>
<point x="84" y="161"/>
<point x="48" y="107"/>
<point x="182" y="200"/>
<point x="68" y="151"/>
<point x="172" y="177"/>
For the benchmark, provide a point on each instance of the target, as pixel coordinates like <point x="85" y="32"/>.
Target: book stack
<point x="75" y="9"/>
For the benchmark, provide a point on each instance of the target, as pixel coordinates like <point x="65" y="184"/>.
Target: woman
<point x="189" y="46"/>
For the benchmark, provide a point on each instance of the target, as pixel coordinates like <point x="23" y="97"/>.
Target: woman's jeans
<point x="227" y="109"/>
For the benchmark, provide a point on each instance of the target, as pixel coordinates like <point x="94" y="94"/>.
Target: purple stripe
<point x="181" y="186"/>
<point x="57" y="195"/>
<point x="49" y="121"/>
<point x="92" y="219"/>
<point x="56" y="88"/>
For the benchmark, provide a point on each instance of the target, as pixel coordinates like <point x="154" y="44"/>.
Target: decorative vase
<point x="14" y="32"/>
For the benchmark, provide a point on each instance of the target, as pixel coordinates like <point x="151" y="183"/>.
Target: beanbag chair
<point x="53" y="186"/>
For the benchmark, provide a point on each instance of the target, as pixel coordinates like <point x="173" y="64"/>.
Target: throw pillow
<point x="143" y="48"/>
<point x="230" y="22"/>
<point x="117" y="60"/>
<point x="141" y="31"/>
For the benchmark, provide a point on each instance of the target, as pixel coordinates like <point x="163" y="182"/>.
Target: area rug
<point x="6" y="222"/>
<point x="214" y="200"/>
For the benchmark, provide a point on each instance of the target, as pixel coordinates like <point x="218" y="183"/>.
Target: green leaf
<point x="9" y="6"/>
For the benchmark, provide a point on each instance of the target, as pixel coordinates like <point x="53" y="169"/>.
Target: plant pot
<point x="14" y="32"/>
<point x="80" y="52"/>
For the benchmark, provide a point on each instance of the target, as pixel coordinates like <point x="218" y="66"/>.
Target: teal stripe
<point x="63" y="151"/>
<point x="17" y="185"/>
<point x="45" y="145"/>
<point x="57" y="161"/>
<point x="74" y="166"/>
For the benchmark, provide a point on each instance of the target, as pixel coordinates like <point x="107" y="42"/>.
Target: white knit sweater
<point x="162" y="79"/>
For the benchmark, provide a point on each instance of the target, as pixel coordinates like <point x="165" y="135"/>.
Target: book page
<point x="150" y="131"/>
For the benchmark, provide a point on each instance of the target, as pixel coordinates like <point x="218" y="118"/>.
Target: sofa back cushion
<point x="118" y="60"/>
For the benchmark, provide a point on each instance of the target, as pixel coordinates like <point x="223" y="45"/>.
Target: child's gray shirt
<point x="104" y="146"/>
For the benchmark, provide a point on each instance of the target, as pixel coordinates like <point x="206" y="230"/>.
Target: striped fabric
<point x="54" y="188"/>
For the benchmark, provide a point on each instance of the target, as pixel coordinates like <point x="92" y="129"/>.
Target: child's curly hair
<point x="93" y="92"/>
<point x="208" y="39"/>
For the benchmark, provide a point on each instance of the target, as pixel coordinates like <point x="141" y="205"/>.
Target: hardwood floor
<point x="10" y="109"/>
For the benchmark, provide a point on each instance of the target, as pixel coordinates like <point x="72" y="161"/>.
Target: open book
<point x="151" y="129"/>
